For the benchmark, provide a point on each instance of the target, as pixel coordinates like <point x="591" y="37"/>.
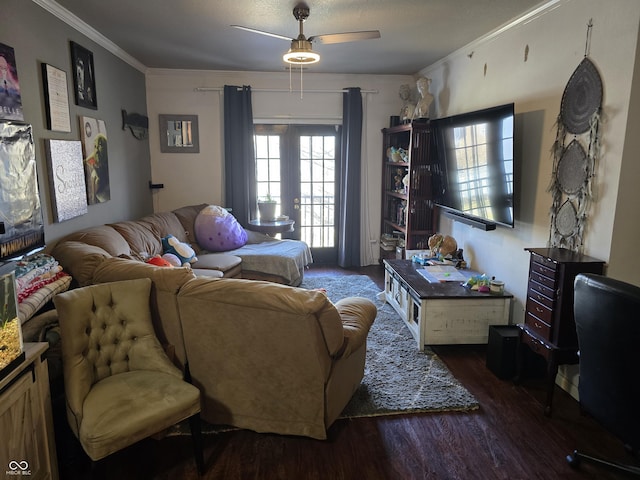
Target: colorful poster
<point x="96" y="160"/>
<point x="10" y="98"/>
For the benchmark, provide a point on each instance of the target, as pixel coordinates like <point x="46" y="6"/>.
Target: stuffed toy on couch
<point x="175" y="251"/>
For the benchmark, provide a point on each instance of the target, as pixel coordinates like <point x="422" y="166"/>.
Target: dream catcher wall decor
<point x="575" y="154"/>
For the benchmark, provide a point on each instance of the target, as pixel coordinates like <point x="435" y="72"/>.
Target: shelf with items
<point x="407" y="206"/>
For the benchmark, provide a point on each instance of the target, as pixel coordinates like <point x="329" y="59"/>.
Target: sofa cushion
<point x="218" y="231"/>
<point x="102" y="236"/>
<point x="217" y="261"/>
<point x="142" y="240"/>
<point x="79" y="259"/>
<point x="187" y="217"/>
<point x="166" y="279"/>
<point x="165" y="223"/>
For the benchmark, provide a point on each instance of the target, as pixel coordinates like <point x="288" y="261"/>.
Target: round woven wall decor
<point x="572" y="171"/>
<point x="567" y="220"/>
<point x="582" y="97"/>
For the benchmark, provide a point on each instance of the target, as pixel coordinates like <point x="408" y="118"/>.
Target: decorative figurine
<point x="422" y="107"/>
<point x="408" y="107"/>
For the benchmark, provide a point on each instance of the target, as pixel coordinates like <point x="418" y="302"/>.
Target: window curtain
<point x="239" y="156"/>
<point x="349" y="214"/>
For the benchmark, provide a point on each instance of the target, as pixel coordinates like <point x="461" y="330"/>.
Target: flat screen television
<point x="474" y="172"/>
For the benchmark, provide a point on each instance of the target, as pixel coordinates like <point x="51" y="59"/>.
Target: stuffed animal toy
<point x="186" y="255"/>
<point x="172" y="259"/>
<point x="218" y="231"/>
<point x="159" y="261"/>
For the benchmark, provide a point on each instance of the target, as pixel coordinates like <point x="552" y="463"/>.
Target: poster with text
<point x="96" y="160"/>
<point x="66" y="177"/>
<point x="10" y="98"/>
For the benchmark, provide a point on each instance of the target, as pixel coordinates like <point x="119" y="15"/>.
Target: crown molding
<point x="73" y="21"/>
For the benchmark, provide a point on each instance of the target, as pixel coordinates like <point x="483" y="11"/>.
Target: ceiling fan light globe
<point x="301" y="53"/>
<point x="301" y="57"/>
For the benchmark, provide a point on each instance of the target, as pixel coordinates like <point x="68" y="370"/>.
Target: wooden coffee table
<point x="442" y="313"/>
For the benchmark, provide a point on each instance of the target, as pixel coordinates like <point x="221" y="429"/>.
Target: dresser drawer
<point x="541" y="294"/>
<point x="544" y="280"/>
<point x="547" y="262"/>
<point x="536" y="346"/>
<point x="539" y="310"/>
<point x="538" y="326"/>
<point x="537" y="268"/>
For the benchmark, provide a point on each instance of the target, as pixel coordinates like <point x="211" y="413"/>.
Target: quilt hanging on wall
<point x="575" y="151"/>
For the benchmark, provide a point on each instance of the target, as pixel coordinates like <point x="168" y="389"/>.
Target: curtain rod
<point x="280" y="90"/>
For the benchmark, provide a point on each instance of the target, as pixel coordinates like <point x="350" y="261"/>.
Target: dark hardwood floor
<point x="507" y="438"/>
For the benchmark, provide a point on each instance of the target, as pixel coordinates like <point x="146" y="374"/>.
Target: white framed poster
<point x="56" y="98"/>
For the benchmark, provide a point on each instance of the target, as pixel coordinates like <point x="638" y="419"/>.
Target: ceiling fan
<point x="301" y="52"/>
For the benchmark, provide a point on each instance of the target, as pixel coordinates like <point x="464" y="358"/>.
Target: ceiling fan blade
<point x="262" y="32"/>
<point x="345" y="37"/>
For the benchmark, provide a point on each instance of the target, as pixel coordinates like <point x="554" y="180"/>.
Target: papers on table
<point x="441" y="273"/>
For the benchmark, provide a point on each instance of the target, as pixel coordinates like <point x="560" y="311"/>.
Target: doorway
<point x="297" y="165"/>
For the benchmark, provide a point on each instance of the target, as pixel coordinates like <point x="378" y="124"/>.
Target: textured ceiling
<point x="196" y="34"/>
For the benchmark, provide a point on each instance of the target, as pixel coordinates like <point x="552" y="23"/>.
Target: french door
<point x="297" y="166"/>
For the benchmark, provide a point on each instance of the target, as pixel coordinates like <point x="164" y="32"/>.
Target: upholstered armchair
<point x="120" y="386"/>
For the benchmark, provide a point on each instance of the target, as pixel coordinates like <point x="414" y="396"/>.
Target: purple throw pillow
<point x="218" y="231"/>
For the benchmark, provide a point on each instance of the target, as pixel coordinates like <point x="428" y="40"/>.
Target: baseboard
<point x="567" y="379"/>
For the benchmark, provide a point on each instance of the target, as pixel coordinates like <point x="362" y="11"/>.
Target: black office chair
<point x="607" y="321"/>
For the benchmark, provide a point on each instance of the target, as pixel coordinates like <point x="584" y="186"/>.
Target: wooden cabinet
<point x="549" y="327"/>
<point x="28" y="448"/>
<point x="407" y="200"/>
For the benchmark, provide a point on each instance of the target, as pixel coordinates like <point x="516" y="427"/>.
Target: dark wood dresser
<point x="549" y="327"/>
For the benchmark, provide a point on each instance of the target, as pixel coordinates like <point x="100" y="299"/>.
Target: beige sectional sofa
<point x="262" y="258"/>
<point x="267" y="357"/>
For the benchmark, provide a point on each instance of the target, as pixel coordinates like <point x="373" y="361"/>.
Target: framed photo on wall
<point x="84" y="79"/>
<point x="56" y="98"/>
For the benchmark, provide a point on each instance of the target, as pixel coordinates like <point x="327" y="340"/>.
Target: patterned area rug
<point x="399" y="378"/>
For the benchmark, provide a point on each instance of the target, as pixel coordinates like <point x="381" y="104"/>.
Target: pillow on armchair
<point x="218" y="231"/>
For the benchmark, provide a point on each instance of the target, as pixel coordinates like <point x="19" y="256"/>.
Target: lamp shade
<point x="301" y="53"/>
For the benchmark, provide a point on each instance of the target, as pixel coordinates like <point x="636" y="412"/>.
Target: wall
<point x="38" y="36"/>
<point x="196" y="178"/>
<point x="530" y="64"/>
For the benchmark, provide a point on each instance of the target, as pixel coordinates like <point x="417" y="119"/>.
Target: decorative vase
<point x="267" y="211"/>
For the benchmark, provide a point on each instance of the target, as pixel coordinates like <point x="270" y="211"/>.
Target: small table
<point x="272" y="227"/>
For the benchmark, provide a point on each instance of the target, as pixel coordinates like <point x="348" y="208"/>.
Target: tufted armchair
<point x="120" y="386"/>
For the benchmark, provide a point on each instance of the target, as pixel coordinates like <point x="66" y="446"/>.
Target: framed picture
<point x="56" y="98"/>
<point x="66" y="177"/>
<point x="10" y="97"/>
<point x="96" y="160"/>
<point x="179" y="134"/>
<point x="84" y="79"/>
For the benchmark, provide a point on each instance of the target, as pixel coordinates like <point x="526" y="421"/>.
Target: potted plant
<point x="267" y="208"/>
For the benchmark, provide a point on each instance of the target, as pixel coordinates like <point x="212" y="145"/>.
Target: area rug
<point x="399" y="378"/>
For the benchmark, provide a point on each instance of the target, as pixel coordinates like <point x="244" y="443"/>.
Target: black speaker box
<point x="502" y="351"/>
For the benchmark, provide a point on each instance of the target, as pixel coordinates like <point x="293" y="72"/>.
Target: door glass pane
<point x="318" y="190"/>
<point x="268" y="168"/>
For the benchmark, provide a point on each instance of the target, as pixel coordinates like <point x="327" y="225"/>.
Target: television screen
<point x="474" y="177"/>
